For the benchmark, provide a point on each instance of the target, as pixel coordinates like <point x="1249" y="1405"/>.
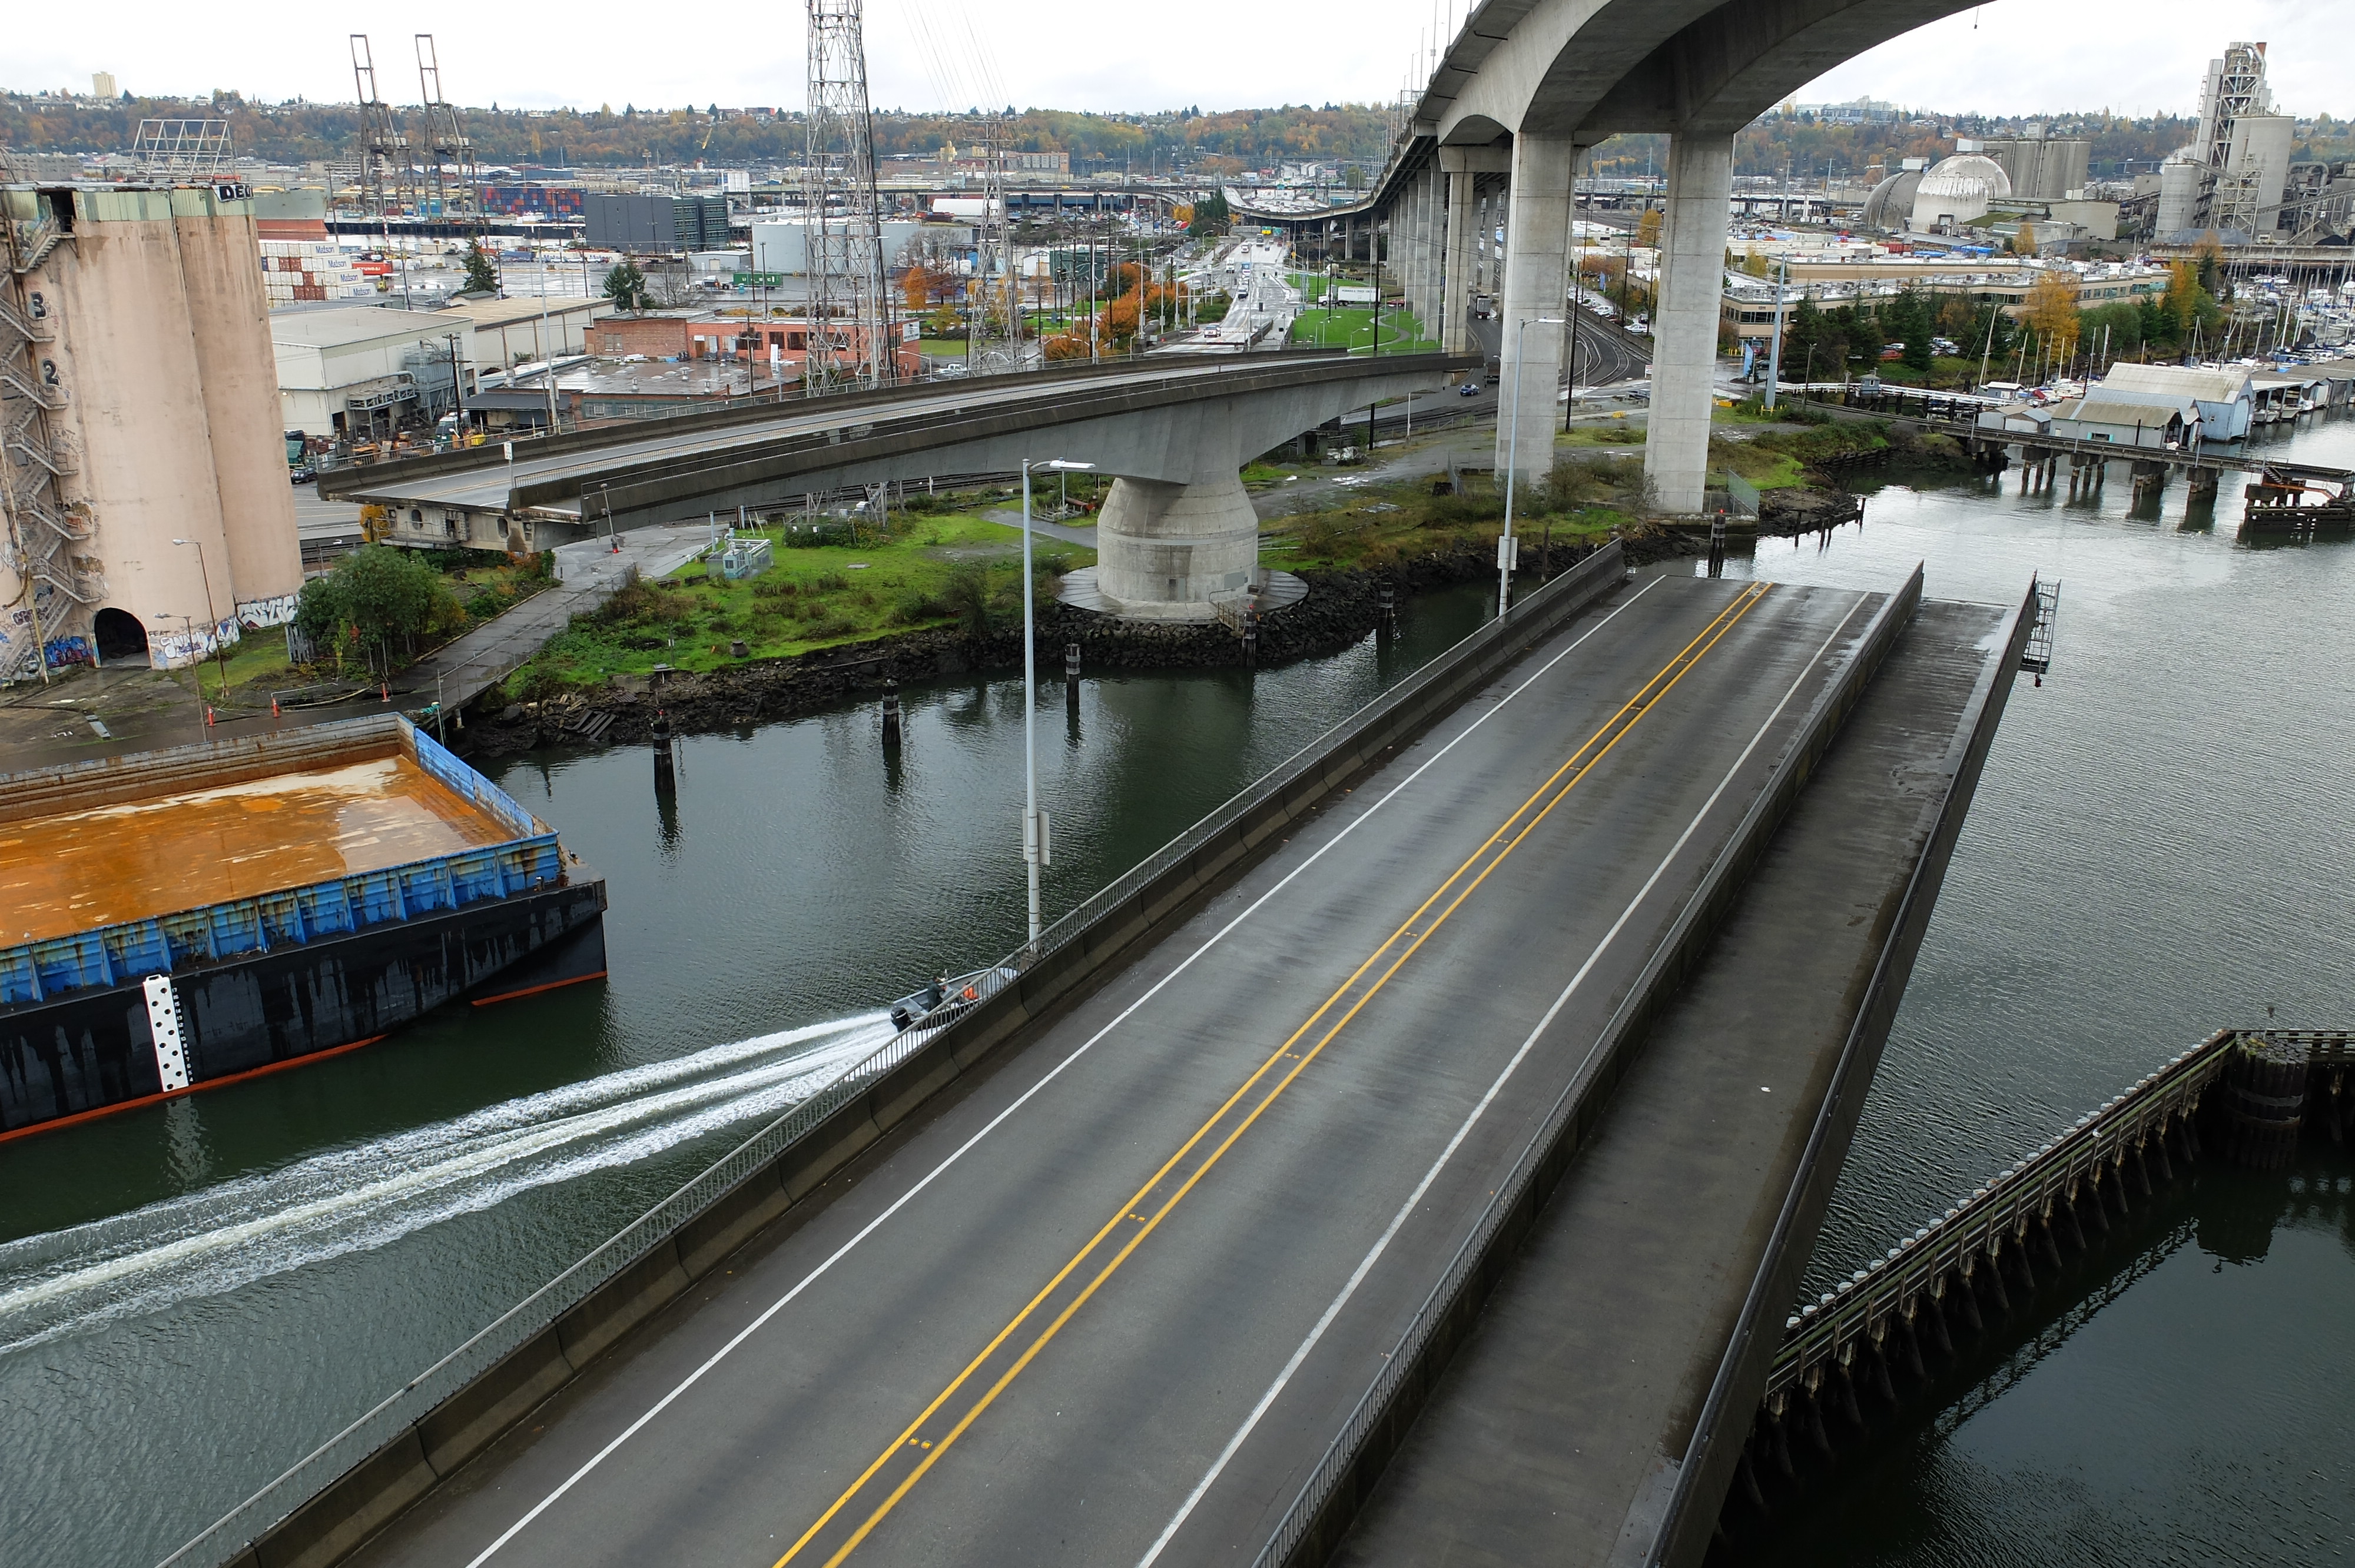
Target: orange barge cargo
<point x="177" y="918"/>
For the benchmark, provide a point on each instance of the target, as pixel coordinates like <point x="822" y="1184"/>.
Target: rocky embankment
<point x="1340" y="608"/>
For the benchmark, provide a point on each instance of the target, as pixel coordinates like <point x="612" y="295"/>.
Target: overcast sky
<point x="2011" y="57"/>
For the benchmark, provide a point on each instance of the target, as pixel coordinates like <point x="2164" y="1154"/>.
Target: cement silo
<point x="142" y="318"/>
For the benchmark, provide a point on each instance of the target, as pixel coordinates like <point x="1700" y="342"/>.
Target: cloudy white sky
<point x="2009" y="57"/>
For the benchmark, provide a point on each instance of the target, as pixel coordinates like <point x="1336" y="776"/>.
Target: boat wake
<point x="354" y="1199"/>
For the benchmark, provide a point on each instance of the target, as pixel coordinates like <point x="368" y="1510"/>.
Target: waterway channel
<point x="193" y="1296"/>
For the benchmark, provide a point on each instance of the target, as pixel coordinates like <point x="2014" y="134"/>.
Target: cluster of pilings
<point x="1859" y="1354"/>
<point x="2036" y="466"/>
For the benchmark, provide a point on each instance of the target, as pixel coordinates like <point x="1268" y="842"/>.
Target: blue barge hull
<point x="109" y="1017"/>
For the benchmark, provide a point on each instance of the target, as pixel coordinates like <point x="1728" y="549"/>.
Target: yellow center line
<point x="1615" y="728"/>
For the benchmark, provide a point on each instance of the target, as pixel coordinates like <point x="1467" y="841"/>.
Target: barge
<point x="177" y="919"/>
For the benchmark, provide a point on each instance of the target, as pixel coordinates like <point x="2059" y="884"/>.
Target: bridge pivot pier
<point x="1164" y="549"/>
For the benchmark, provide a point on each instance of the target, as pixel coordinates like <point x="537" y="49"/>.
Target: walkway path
<point x="588" y="574"/>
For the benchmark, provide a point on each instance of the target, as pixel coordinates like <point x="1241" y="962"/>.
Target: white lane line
<point x="961" y="1150"/>
<point x="1381" y="1243"/>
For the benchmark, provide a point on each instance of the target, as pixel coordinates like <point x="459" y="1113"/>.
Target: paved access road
<point x="1111" y="1305"/>
<point x="589" y="572"/>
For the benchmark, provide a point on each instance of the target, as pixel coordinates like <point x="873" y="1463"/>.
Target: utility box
<point x="743" y="557"/>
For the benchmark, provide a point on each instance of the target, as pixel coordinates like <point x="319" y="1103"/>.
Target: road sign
<point x="760" y="280"/>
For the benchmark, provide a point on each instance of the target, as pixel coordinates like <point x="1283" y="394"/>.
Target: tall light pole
<point x="1513" y="445"/>
<point x="1781" y="286"/>
<point x="1034" y="849"/>
<point x="212" y="620"/>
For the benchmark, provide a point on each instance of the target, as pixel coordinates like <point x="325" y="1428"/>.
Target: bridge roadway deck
<point x="486" y="487"/>
<point x="1559" y="1427"/>
<point x="1189" y="1220"/>
<point x="554" y="482"/>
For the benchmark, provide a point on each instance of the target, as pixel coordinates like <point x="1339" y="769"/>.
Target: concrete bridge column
<point x="1483" y="226"/>
<point x="1434" y="252"/>
<point x="1467" y="237"/>
<point x="1456" y="298"/>
<point x="1537" y="282"/>
<point x="1418" y="273"/>
<point x="1685" y="322"/>
<point x="1500" y="215"/>
<point x="1406" y="241"/>
<point x="1163" y="549"/>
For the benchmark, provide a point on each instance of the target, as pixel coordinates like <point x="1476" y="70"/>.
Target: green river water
<point x="193" y="1296"/>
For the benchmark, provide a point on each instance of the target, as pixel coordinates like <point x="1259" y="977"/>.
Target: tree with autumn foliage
<point x="2052" y="310"/>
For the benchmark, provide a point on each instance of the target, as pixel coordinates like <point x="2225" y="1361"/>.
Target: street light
<point x="1513" y="464"/>
<point x="1035" y="848"/>
<point x="211" y="619"/>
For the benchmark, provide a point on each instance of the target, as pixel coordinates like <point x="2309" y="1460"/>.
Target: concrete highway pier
<point x="1500" y="129"/>
<point x="1416" y="1184"/>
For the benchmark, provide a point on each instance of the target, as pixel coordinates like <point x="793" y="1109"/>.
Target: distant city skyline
<point x="2006" y="58"/>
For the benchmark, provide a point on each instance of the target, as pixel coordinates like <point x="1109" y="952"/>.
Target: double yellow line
<point x="941" y="1423"/>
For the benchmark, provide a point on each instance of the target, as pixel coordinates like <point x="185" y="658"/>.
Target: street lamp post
<point x="1512" y="467"/>
<point x="212" y="620"/>
<point x="1035" y="847"/>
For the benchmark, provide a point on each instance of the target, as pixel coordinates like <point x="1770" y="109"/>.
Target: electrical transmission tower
<point x="993" y="339"/>
<point x="384" y="150"/>
<point x="455" y="195"/>
<point x="848" y="292"/>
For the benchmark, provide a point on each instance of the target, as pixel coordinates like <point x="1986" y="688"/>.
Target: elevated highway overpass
<point x="1495" y="139"/>
<point x="1413" y="1161"/>
<point x="1177" y="530"/>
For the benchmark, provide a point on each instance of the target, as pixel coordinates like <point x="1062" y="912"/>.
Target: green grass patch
<point x="257" y="663"/>
<point x="1354" y="330"/>
<point x="1612" y="434"/>
<point x="941" y="569"/>
<point x="1381" y="525"/>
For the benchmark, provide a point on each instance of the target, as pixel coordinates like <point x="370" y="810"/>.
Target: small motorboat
<point x="947" y="997"/>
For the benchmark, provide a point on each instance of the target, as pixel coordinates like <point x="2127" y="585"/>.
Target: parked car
<point x="1893" y="351"/>
<point x="1945" y="348"/>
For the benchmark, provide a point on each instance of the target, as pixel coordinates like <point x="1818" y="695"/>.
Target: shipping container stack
<point x="295" y="270"/>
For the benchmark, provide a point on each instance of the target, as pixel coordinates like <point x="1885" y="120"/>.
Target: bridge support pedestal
<point x="1685" y="321"/>
<point x="1467" y="234"/>
<point x="1164" y="549"/>
<point x="1537" y="282"/>
<point x="1456" y="287"/>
